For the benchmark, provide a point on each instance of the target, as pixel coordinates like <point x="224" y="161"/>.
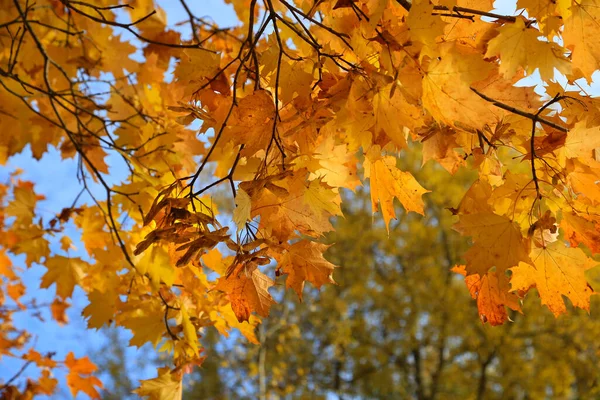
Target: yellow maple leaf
<point x="147" y="324"/>
<point x="248" y="292"/>
<point x="304" y="262"/>
<point x="283" y="210"/>
<point x="518" y="46"/>
<point x="424" y="25"/>
<point x="583" y="178"/>
<point x="101" y="308"/>
<point x="581" y="141"/>
<point x="497" y="242"/>
<point x="32" y="243"/>
<point x="241" y="214"/>
<point x="583" y="17"/>
<point x="157" y="264"/>
<point x="22" y="207"/>
<point x="196" y="64"/>
<point x="319" y="197"/>
<point x="252" y="123"/>
<point x="93" y="234"/>
<point x="393" y="112"/>
<point x="189" y="331"/>
<point x="556" y="271"/>
<point x="214" y="260"/>
<point x="578" y="229"/>
<point x="167" y="386"/>
<point x="65" y="272"/>
<point x="388" y="182"/>
<point x="447" y="93"/>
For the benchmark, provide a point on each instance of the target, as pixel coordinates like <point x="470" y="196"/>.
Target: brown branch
<point x="533" y="117"/>
<point x="458" y="10"/>
<point x="128" y="27"/>
<point x="15" y="376"/>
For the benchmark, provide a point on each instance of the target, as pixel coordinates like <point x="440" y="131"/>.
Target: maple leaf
<point x="447" y="93"/>
<point x="77" y="379"/>
<point x="46" y="384"/>
<point x="556" y="271"/>
<point x="59" y="308"/>
<point x="32" y="243"/>
<point x="387" y="183"/>
<point x="583" y="17"/>
<point x="498" y="242"/>
<point x="424" y="25"/>
<point x="320" y="198"/>
<point x="22" y="207"/>
<point x="189" y="331"/>
<point x="581" y="141"/>
<point x="157" y="264"/>
<point x="252" y="123"/>
<point x="283" y="207"/>
<point x="147" y="325"/>
<point x="196" y="64"/>
<point x="167" y="386"/>
<point x="241" y="214"/>
<point x="304" y="261"/>
<point x="65" y="273"/>
<point x="583" y="178"/>
<point x="248" y="291"/>
<point x="6" y="266"/>
<point x="100" y="310"/>
<point x="518" y="46"/>
<point x="92" y="225"/>
<point x="393" y="112"/>
<point x="492" y="294"/>
<point x="578" y="229"/>
<point x="39" y="359"/>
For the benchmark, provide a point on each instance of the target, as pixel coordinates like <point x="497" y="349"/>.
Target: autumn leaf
<point x="241" y="214"/>
<point x="248" y="292"/>
<point x="157" y="264"/>
<point x="497" y="242"/>
<point x="578" y="229"/>
<point x="146" y="324"/>
<point x="22" y="207"/>
<point x="556" y="271"/>
<point x="252" y="123"/>
<point x="189" y="331"/>
<point x="582" y="18"/>
<point x="387" y="183"/>
<point x="581" y="141"/>
<point x="78" y="378"/>
<point x="424" y="25"/>
<point x="519" y="47"/>
<point x="65" y="273"/>
<point x="492" y="292"/>
<point x="304" y="262"/>
<point x="100" y="310"/>
<point x="167" y="386"/>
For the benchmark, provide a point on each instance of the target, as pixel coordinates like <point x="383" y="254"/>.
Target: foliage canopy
<point x="299" y="100"/>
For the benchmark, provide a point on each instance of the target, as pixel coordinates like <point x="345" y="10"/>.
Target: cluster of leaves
<point x="294" y="103"/>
